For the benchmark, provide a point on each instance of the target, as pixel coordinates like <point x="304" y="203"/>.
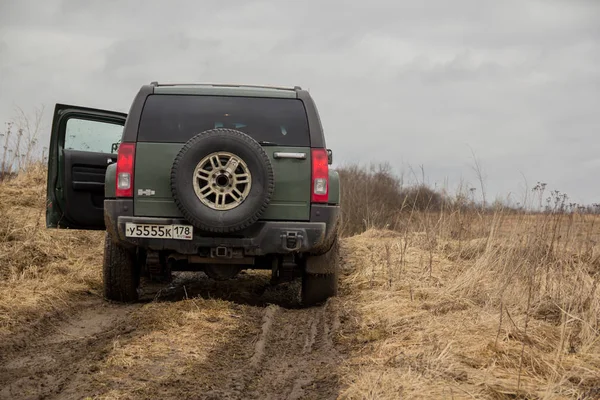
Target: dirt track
<point x="180" y="348"/>
<point x="401" y="327"/>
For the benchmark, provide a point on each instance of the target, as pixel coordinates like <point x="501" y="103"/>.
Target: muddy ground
<point x="196" y="339"/>
<point x="408" y="323"/>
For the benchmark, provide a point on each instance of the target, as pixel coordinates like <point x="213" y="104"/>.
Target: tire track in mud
<point x="300" y="360"/>
<point x="293" y="357"/>
<point x="259" y="349"/>
<point x="275" y="353"/>
<point x="60" y="362"/>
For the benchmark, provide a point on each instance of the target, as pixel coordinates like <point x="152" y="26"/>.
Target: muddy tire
<point x="320" y="277"/>
<point x="222" y="180"/>
<point x="317" y="288"/>
<point x="121" y="272"/>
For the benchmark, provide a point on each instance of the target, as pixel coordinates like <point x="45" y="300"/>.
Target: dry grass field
<point x="450" y="304"/>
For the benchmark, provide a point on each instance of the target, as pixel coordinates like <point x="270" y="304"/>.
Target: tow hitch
<point x="291" y="240"/>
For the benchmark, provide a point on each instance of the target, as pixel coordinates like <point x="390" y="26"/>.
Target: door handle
<point x="294" y="156"/>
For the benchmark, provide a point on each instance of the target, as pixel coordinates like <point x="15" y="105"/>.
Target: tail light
<point x="320" y="176"/>
<point x="125" y="158"/>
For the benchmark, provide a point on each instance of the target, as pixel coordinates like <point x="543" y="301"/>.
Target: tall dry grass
<point x="43" y="272"/>
<point x="465" y="304"/>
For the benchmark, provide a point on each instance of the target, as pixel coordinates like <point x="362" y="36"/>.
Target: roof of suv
<point x="226" y="90"/>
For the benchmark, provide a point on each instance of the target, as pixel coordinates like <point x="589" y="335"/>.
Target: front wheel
<point x="121" y="274"/>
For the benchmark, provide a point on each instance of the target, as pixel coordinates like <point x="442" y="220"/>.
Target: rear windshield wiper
<point x="266" y="143"/>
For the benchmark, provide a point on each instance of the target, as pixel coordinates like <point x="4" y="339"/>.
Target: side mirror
<point x="329" y="156"/>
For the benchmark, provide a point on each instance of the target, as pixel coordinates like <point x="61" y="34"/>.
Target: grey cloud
<point x="458" y="69"/>
<point x="401" y="81"/>
<point x="314" y="41"/>
<point x="145" y="50"/>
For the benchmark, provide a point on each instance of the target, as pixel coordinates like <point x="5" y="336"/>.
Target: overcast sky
<point x="409" y="82"/>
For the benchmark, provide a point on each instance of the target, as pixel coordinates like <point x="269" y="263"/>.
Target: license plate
<point x="180" y="232"/>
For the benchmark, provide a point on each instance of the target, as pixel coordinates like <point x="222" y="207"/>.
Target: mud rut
<point x="286" y="352"/>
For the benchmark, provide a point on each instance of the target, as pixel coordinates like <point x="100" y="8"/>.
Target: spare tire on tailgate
<point x="222" y="180"/>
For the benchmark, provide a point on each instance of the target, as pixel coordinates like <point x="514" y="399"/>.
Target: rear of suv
<point x="212" y="178"/>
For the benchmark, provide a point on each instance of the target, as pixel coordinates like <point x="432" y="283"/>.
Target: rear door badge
<point x="146" y="192"/>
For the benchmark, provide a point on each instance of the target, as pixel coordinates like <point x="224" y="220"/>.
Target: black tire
<point x="121" y="272"/>
<point x="319" y="286"/>
<point x="252" y="207"/>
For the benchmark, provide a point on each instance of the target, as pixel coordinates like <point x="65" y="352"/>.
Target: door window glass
<point x="93" y="136"/>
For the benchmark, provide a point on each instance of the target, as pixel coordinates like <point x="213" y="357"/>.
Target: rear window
<point x="176" y="118"/>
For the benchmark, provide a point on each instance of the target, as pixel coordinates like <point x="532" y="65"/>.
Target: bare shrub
<point x="421" y="198"/>
<point x="20" y="143"/>
<point x="374" y="197"/>
<point x="370" y="197"/>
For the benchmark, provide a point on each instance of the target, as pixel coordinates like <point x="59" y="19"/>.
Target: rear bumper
<point x="268" y="237"/>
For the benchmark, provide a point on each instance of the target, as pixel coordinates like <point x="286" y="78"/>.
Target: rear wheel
<point x="320" y="277"/>
<point x="317" y="288"/>
<point x="121" y="272"/>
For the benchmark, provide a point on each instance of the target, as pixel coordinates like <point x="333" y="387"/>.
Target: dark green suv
<point x="212" y="178"/>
